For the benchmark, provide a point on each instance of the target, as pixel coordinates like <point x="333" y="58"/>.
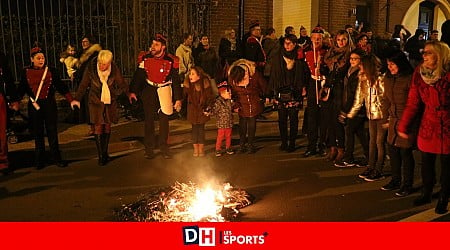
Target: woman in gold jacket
<point x="370" y="92"/>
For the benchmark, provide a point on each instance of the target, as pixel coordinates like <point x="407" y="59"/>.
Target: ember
<point x="186" y="202"/>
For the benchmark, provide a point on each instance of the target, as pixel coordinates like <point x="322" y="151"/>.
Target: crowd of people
<point x="342" y="81"/>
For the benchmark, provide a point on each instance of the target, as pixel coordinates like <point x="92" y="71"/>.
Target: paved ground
<point x="286" y="186"/>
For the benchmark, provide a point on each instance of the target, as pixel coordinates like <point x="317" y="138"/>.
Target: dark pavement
<point x="286" y="186"/>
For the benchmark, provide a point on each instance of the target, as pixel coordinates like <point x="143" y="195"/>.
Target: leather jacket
<point x="373" y="96"/>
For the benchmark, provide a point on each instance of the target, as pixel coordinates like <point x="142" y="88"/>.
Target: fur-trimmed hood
<point x="87" y="53"/>
<point x="244" y="63"/>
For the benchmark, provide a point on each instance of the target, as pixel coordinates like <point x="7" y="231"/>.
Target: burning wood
<point x="186" y="202"/>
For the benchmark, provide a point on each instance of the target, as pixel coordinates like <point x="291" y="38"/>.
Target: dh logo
<point x="202" y="236"/>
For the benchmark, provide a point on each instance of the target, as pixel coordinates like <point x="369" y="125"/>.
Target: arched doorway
<point x="426" y="16"/>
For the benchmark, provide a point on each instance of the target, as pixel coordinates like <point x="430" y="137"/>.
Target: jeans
<point x="377" y="140"/>
<point x="428" y="172"/>
<point x="247" y="126"/>
<point x="355" y="126"/>
<point x="402" y="165"/>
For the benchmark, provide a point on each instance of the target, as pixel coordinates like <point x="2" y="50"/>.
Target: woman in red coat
<point x="429" y="96"/>
<point x="248" y="87"/>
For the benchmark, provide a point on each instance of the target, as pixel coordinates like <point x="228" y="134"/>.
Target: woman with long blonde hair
<point x="370" y="92"/>
<point x="429" y="97"/>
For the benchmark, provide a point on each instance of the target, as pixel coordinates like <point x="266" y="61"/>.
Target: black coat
<point x="7" y="87"/>
<point x="280" y="80"/>
<point x="228" y="55"/>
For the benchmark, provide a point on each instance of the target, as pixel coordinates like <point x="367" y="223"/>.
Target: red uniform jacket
<point x="157" y="70"/>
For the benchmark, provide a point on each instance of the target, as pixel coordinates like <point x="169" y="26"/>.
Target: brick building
<point x="226" y="13"/>
<point x="126" y="26"/>
<point x="382" y="15"/>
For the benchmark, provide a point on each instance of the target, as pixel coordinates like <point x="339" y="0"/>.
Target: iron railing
<point x="55" y="23"/>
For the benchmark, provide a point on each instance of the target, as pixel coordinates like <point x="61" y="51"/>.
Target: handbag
<point x="34" y="101"/>
<point x="285" y="95"/>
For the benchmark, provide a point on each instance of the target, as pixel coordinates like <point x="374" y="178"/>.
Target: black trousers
<point x="198" y="133"/>
<point x="317" y="118"/>
<point x="305" y="121"/>
<point x="336" y="130"/>
<point x="402" y="165"/>
<point x="283" y="115"/>
<point x="151" y="105"/>
<point x="45" y="119"/>
<point x="355" y="126"/>
<point x="428" y="172"/>
<point x="247" y="126"/>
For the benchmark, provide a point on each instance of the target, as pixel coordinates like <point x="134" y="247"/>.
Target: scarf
<point x="429" y="76"/>
<point x="233" y="44"/>
<point x="290" y="54"/>
<point x="103" y="75"/>
<point x="339" y="57"/>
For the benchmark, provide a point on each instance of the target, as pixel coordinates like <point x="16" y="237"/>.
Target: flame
<point x="188" y="202"/>
<point x="207" y="204"/>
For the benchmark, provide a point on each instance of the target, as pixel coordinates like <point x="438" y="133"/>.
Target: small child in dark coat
<point x="223" y="111"/>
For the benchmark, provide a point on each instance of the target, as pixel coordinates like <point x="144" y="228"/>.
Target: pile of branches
<point x="171" y="205"/>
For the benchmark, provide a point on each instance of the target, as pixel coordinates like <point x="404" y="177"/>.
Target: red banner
<point x="236" y="235"/>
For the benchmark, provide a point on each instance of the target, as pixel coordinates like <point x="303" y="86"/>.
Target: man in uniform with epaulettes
<point x="314" y="54"/>
<point x="157" y="83"/>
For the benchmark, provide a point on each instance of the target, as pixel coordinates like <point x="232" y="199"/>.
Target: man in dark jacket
<point x="253" y="49"/>
<point x="414" y="46"/>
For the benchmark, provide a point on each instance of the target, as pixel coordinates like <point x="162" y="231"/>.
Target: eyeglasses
<point x="354" y="58"/>
<point x="426" y="53"/>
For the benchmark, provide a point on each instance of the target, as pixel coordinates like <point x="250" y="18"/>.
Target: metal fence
<point x="123" y="26"/>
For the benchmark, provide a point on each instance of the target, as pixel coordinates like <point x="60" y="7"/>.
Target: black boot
<point x="39" y="159"/>
<point x="98" y="143"/>
<point x="424" y="198"/>
<point x="291" y="147"/>
<point x="441" y="207"/>
<point x="105" y="143"/>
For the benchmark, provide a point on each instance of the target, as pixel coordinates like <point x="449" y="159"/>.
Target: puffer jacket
<point x="397" y="88"/>
<point x="372" y="96"/>
<point x="248" y="99"/>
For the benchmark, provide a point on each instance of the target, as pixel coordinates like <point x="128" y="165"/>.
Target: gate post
<point x="136" y="16"/>
<point x="241" y="19"/>
<point x="185" y="16"/>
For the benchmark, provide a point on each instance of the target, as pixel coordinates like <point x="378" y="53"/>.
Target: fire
<point x="186" y="202"/>
<point x="207" y="203"/>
